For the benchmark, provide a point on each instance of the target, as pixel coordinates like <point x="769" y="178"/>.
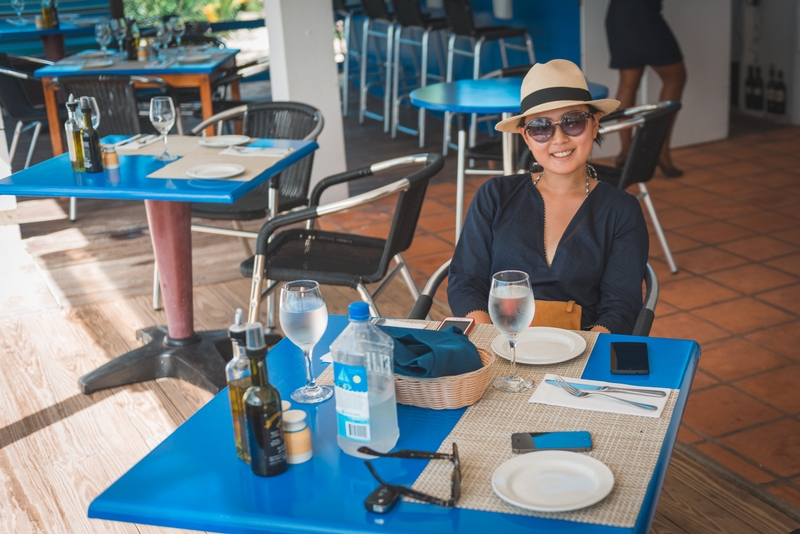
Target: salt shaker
<point x="297" y="437"/>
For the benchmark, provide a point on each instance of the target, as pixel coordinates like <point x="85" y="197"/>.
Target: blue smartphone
<point x="580" y="441"/>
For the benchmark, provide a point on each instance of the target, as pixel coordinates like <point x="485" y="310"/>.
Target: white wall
<point x="8" y="204"/>
<point x="703" y="30"/>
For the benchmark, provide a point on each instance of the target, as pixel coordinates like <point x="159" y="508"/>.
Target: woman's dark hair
<point x="593" y="110"/>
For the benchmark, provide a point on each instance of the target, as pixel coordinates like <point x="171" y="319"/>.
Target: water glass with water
<point x="304" y="318"/>
<point x="511" y="307"/>
<point x="19" y="7"/>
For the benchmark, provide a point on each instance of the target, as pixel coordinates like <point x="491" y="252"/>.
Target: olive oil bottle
<point x="263" y="413"/>
<point x="74" y="141"/>
<point x="237" y="373"/>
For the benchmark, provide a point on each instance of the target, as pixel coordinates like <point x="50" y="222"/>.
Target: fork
<point x="575" y="392"/>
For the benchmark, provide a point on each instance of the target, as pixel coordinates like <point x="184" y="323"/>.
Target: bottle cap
<point x="294" y="420"/>
<point x="237" y="329"/>
<point x="255" y="336"/>
<point x="358" y="311"/>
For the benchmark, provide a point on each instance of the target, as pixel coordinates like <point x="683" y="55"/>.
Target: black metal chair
<point x="644" y="321"/>
<point x="652" y="127"/>
<point x="337" y="258"/>
<point x="22" y="98"/>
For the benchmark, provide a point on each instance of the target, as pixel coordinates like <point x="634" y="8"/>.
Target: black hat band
<point x="554" y="94"/>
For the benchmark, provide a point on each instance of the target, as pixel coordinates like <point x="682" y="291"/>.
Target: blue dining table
<point x="493" y="96"/>
<point x="175" y="349"/>
<point x="53" y="38"/>
<point x="194" y="479"/>
<point x="198" y="75"/>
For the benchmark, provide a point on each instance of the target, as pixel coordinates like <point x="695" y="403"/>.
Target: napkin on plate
<point x="255" y="151"/>
<point x="555" y="396"/>
<point x="136" y="144"/>
<point x="432" y="353"/>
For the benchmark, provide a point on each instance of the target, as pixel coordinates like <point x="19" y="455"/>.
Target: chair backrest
<point x="408" y="13"/>
<point x="119" y="113"/>
<point x="375" y="9"/>
<point x="17" y="96"/>
<point x="459" y="17"/>
<point x="648" y="139"/>
<point x="200" y="39"/>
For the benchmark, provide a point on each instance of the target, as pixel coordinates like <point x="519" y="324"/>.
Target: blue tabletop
<point x="123" y="67"/>
<point x="55" y="178"/>
<point x="194" y="479"/>
<point x="488" y="95"/>
<point x="13" y="32"/>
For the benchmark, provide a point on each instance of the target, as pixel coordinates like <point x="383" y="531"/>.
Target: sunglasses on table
<point x="572" y="123"/>
<point x="455" y="477"/>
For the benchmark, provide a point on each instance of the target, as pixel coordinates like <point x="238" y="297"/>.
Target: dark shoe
<point x="670" y="172"/>
<point x="619" y="162"/>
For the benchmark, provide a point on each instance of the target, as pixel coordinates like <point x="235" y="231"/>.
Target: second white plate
<point x="194" y="58"/>
<point x="552" y="481"/>
<point x="215" y="171"/>
<point x="223" y="141"/>
<point x="97" y="63"/>
<point x="540" y="345"/>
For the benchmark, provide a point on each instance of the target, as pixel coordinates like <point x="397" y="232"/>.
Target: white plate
<point x="552" y="481"/>
<point x="194" y="58"/>
<point x="97" y="63"/>
<point x="93" y="53"/>
<point x="540" y="345"/>
<point x="215" y="171"/>
<point x="223" y="141"/>
<point x="85" y="22"/>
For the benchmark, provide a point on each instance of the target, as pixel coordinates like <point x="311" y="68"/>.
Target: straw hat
<point x="552" y="85"/>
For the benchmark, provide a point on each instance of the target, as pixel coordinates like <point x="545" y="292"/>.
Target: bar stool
<point x="410" y="17"/>
<point x="376" y="12"/>
<point x="462" y="25"/>
<point x="345" y="10"/>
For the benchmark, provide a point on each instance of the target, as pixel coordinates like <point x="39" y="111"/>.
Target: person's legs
<point x="673" y="79"/>
<point x="626" y="94"/>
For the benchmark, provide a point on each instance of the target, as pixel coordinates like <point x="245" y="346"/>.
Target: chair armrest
<point x="29" y="59"/>
<point x="18" y="74"/>
<point x="644" y="321"/>
<point x="423" y="304"/>
<point x="316" y="212"/>
<point x="621" y="125"/>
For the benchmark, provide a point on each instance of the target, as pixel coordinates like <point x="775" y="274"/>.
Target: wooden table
<point x="195" y="75"/>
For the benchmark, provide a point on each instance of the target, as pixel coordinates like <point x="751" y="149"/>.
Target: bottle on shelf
<point x="780" y="95"/>
<point x="90" y="141"/>
<point x="73" y="132"/>
<point x="47" y="14"/>
<point x="263" y="413"/>
<point x="758" y="91"/>
<point x="748" y="88"/>
<point x="54" y="14"/>
<point x="237" y="373"/>
<point x="366" y="406"/>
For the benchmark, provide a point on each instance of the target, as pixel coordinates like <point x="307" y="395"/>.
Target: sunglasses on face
<point x="572" y="123"/>
<point x="455" y="477"/>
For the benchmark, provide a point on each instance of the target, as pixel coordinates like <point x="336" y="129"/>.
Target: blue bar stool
<point x="376" y="12"/>
<point x="345" y="10"/>
<point x="410" y="17"/>
<point x="462" y="25"/>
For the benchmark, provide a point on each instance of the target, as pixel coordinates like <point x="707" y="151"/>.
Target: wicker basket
<point x="447" y="392"/>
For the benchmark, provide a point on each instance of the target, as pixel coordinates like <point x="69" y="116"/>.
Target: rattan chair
<point x="644" y="321"/>
<point x="341" y="259"/>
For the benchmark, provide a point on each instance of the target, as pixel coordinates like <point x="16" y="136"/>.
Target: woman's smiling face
<point x="562" y="154"/>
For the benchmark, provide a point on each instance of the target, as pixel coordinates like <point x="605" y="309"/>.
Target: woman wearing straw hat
<point x="578" y="239"/>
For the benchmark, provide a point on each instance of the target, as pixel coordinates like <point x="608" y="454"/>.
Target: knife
<point x="128" y="140"/>
<point x="612" y="389"/>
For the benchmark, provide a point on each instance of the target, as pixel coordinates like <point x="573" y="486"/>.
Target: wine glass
<point x="163" y="36"/>
<point x="178" y="30"/>
<point x="162" y="116"/>
<point x="119" y="28"/>
<point x="304" y="318"/>
<point x="103" y="36"/>
<point x="19" y="7"/>
<point x="511" y="307"/>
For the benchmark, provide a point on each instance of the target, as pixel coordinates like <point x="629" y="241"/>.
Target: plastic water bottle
<point x="366" y="407"/>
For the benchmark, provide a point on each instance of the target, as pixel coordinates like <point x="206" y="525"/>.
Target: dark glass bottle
<point x="90" y="141"/>
<point x="780" y="95"/>
<point x="758" y="91"/>
<point x="131" y="42"/>
<point x="263" y="415"/>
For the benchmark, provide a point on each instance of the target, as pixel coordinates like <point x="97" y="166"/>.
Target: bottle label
<point x="352" y="401"/>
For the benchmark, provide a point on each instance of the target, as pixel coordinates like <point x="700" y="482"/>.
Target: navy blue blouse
<point x="599" y="263"/>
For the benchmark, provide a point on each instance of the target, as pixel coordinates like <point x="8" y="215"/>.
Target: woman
<point x="590" y="244"/>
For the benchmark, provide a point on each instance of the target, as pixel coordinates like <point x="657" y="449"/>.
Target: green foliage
<point x="210" y="10"/>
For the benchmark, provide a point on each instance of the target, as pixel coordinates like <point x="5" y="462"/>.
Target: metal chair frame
<point x="384" y="70"/>
<point x="346" y="12"/>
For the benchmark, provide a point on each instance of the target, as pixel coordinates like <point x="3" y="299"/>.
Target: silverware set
<point x="139" y="138"/>
<point x="578" y="393"/>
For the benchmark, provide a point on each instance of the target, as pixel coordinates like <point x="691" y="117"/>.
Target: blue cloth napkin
<point x="432" y="353"/>
<point x="69" y="67"/>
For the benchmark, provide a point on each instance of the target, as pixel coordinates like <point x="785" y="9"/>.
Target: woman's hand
<point x="598" y="328"/>
<point x="481" y="317"/>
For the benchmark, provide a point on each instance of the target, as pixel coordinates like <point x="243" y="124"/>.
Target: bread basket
<point x="446" y="392"/>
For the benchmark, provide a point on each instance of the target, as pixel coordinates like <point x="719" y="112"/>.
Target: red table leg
<point x="53" y="45"/>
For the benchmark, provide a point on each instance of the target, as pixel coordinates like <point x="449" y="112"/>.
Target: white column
<point x="302" y="69"/>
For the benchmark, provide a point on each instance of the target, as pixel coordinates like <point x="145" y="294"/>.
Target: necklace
<point x="536" y="181"/>
<point x="544" y="214"/>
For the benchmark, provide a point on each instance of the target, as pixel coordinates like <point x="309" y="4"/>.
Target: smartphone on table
<point x="464" y="324"/>
<point x="579" y="441"/>
<point x="629" y="358"/>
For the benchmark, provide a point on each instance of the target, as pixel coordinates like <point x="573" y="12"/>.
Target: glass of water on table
<point x="304" y="318"/>
<point x="511" y="307"/>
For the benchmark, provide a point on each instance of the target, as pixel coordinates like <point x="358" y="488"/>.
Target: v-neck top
<point x="599" y="262"/>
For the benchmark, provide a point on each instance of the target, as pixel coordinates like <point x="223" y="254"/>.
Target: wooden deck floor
<point x="72" y="297"/>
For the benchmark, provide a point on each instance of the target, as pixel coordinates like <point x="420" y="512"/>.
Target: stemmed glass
<point x="511" y="307"/>
<point x="162" y="116"/>
<point x="103" y="36"/>
<point x="163" y="37"/>
<point x="119" y="28"/>
<point x="178" y="30"/>
<point x="92" y="102"/>
<point x="304" y="318"/>
<point x="19" y="7"/>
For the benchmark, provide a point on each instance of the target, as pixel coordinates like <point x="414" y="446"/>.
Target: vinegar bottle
<point x="237" y="373"/>
<point x="74" y="142"/>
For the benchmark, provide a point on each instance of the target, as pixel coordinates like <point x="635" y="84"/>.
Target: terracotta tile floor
<point x="733" y="223"/>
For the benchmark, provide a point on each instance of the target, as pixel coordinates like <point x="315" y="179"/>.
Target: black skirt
<point x="639" y="36"/>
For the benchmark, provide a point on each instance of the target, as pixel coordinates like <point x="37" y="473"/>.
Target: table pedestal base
<point x="199" y="360"/>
